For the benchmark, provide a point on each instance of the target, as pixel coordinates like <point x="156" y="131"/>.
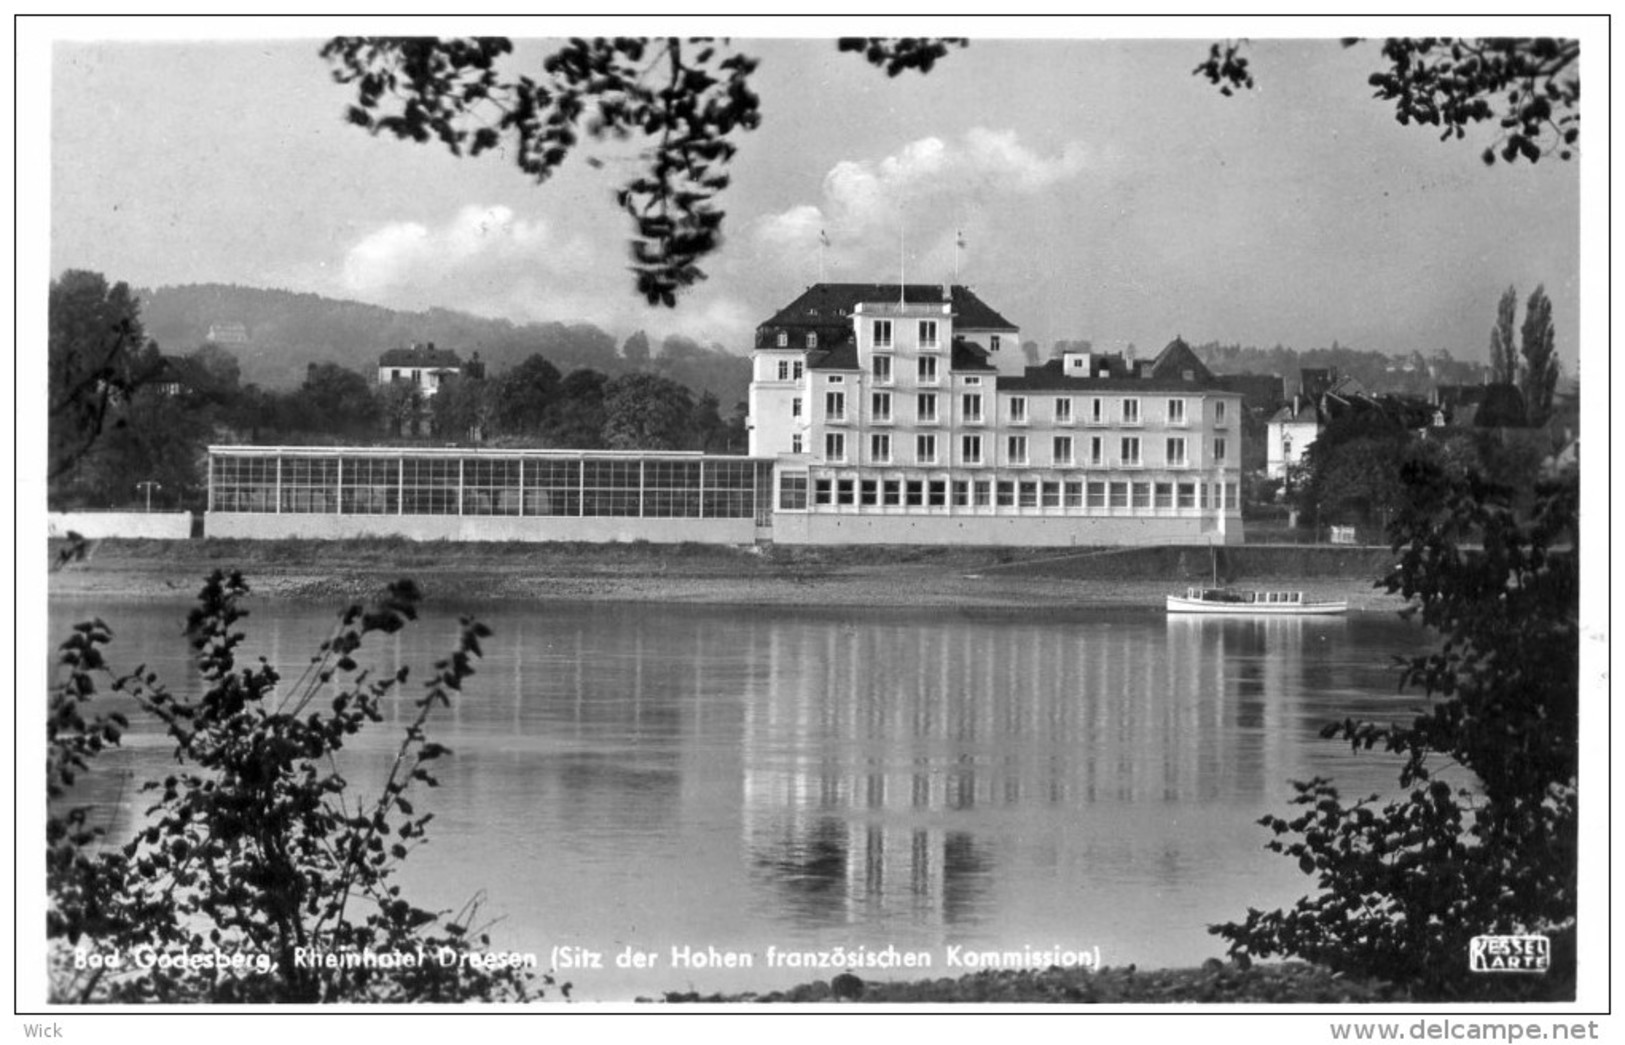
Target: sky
<point x="1101" y="190"/>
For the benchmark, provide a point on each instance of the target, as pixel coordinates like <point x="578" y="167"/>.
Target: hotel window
<point x="982" y="493"/>
<point x="1164" y="495"/>
<point x="795" y="371"/>
<point x="880" y="406"/>
<point x="891" y="493"/>
<point x="795" y="407"/>
<point x="1142" y="496"/>
<point x="795" y="443"/>
<point x="835" y="446"/>
<point x="1129" y="451"/>
<point x="914" y="493"/>
<point x="1176" y="452"/>
<point x="837" y="380"/>
<point x="970" y="449"/>
<point x="993" y="343"/>
<point x="1018" y="449"/>
<point x="882" y="333"/>
<point x="880" y="448"/>
<point x="1131" y="411"/>
<point x="823" y="491"/>
<point x="784" y="370"/>
<point x="835" y="406"/>
<point x="1218" y="450"/>
<point x="812" y="339"/>
<point x="1176" y="411"/>
<point x="1187" y="495"/>
<point x="1119" y="495"/>
<point x="926" y="407"/>
<point x="936" y="493"/>
<point x="1062" y="455"/>
<point x="1097" y="450"/>
<point x="1097" y="411"/>
<point x="1201" y="493"/>
<point x="961" y="494"/>
<point x="1063" y="410"/>
<point x="928" y="334"/>
<point x="928" y="369"/>
<point x="1230" y="498"/>
<point x="1074" y="494"/>
<point x="793" y="493"/>
<point x="972" y="403"/>
<point x="843" y="491"/>
<point x="784" y="339"/>
<point x="1028" y="497"/>
<point x="869" y="493"/>
<point x="1097" y="495"/>
<point x="1018" y="410"/>
<point x="1218" y="412"/>
<point x="1007" y="494"/>
<point x="882" y="367"/>
<point x="1050" y="496"/>
<point x="925" y="449"/>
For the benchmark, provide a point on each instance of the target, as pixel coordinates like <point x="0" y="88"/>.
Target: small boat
<point x="1250" y="603"/>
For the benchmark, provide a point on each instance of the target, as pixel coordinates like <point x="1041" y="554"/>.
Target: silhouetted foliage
<point x="1538" y="376"/>
<point x="1503" y="351"/>
<point x="688" y="100"/>
<point x="256" y="846"/>
<point x="1530" y="88"/>
<point x="1405" y="885"/>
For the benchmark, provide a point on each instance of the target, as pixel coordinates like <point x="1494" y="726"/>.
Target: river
<point x="704" y="784"/>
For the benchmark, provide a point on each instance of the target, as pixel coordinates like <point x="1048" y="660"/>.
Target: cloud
<point x="408" y="257"/>
<point x="930" y="190"/>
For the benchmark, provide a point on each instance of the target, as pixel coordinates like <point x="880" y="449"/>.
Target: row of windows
<point x="798" y="491"/>
<point x="971" y="408"/>
<point x="926" y="446"/>
<point x="709" y="489"/>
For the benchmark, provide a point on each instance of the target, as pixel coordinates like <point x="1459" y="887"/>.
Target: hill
<point x="286" y="331"/>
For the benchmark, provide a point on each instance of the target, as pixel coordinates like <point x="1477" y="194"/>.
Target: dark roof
<point x="1258" y="391"/>
<point x="1166" y="373"/>
<point x="841" y="357"/>
<point x="968" y="355"/>
<point x="827" y="309"/>
<point x="426" y="356"/>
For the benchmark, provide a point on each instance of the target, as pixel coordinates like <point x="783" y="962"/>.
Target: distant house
<point x="421" y="365"/>
<point x="1292" y="430"/>
<point x="172" y="376"/>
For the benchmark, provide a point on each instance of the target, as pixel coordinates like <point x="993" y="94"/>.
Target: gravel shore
<point x="878" y="578"/>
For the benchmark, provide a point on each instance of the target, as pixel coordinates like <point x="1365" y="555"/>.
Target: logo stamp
<point x="1509" y="954"/>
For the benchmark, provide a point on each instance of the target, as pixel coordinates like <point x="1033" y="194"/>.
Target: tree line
<point x="129" y="423"/>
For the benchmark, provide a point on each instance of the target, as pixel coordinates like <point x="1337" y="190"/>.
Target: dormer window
<point x="812" y="339"/>
<point x="784" y="339"/>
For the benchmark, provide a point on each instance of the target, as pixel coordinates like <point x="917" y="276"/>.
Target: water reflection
<point x="661" y="775"/>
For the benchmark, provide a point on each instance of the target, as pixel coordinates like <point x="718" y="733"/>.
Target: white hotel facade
<point x="879" y="415"/>
<point x="911" y="416"/>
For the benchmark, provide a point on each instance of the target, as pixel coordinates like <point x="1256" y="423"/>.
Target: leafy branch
<point x="455" y="92"/>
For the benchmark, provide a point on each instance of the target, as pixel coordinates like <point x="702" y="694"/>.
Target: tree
<point x="707" y="430"/>
<point x="646" y="412"/>
<point x="688" y="100"/>
<point x="1404" y="886"/>
<point x="636" y="349"/>
<point x="525" y="395"/>
<point x="463" y="408"/>
<point x="1540" y="367"/>
<point x="400" y="407"/>
<point x="218" y="371"/>
<point x="1503" y="353"/>
<point x="577" y="419"/>
<point x="256" y="848"/>
<point x="94" y="346"/>
<point x="337" y="399"/>
<point x="1529" y="87"/>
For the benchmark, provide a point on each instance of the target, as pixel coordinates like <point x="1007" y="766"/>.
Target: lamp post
<point x="148" y="485"/>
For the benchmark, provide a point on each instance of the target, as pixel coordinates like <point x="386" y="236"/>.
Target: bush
<point x="256" y="847"/>
<point x="1406" y="885"/>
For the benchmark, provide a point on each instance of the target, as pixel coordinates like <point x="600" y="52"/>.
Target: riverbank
<point x="310" y="570"/>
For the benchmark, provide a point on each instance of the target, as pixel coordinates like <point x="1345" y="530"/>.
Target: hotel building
<point x="911" y="415"/>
